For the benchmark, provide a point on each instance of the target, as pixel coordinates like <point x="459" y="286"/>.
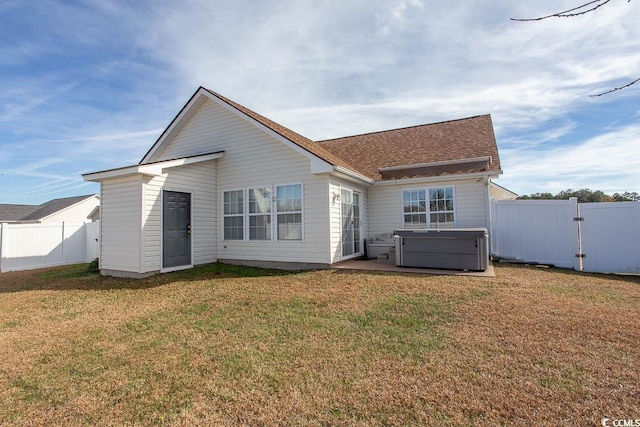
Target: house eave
<point x="352" y="176"/>
<point x="440" y="163"/>
<point x="150" y="169"/>
<point x="426" y="179"/>
<point x="175" y="123"/>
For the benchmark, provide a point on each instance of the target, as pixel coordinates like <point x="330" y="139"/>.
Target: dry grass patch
<point x="223" y="345"/>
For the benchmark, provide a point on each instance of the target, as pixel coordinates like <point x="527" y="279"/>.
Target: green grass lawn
<point x="225" y="345"/>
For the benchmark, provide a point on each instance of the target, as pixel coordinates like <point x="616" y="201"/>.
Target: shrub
<point x="94" y="266"/>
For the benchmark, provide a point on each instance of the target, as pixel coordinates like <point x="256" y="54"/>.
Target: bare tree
<point x="577" y="11"/>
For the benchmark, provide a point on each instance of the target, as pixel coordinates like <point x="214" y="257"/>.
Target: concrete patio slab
<point x="374" y="265"/>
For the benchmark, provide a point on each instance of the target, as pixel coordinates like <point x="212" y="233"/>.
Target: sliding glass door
<point x="350" y="215"/>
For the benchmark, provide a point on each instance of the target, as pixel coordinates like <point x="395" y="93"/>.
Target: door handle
<point x="189" y="229"/>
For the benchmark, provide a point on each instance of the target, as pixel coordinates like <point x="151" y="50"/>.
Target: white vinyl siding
<point x="120" y="224"/>
<point x="335" y="224"/>
<point x="386" y="204"/>
<point x="198" y="180"/>
<point x="252" y="159"/>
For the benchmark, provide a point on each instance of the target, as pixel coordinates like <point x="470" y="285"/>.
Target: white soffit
<point x="152" y="169"/>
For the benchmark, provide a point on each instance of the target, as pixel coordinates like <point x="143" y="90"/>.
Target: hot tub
<point x="451" y="248"/>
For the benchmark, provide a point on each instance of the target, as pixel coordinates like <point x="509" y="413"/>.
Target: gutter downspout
<point x="487" y="208"/>
<point x="2" y="224"/>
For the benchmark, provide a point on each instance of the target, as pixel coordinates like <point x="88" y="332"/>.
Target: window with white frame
<point x="233" y="213"/>
<point x="253" y="214"/>
<point x="260" y="213"/>
<point x="441" y="207"/>
<point x="414" y="204"/>
<point x="289" y="211"/>
<point x="436" y="211"/>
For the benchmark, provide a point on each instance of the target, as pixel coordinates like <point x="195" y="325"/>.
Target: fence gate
<point x="611" y="237"/>
<point x="594" y="237"/>
<point x="539" y="231"/>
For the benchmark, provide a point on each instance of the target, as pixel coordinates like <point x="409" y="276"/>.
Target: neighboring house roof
<point x="15" y="212"/>
<point x="53" y="206"/>
<point x="506" y="190"/>
<point x="435" y="146"/>
<point x="94" y="215"/>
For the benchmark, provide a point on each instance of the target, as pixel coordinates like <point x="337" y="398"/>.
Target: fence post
<point x="1" y="243"/>
<point x="492" y="230"/>
<point x="84" y="240"/>
<point x="62" y="261"/>
<point x="577" y="263"/>
<point x="98" y="241"/>
<point x="636" y="217"/>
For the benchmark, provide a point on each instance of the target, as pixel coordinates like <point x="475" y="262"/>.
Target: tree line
<point x="585" y="196"/>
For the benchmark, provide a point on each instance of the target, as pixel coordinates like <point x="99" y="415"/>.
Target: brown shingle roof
<point x="472" y="137"/>
<point x="365" y="154"/>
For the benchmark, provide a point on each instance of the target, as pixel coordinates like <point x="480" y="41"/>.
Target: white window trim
<point x="244" y="210"/>
<point x="273" y="214"/>
<point x="453" y="196"/>
<point x="249" y="214"/>
<point x="275" y="211"/>
<point x="428" y="211"/>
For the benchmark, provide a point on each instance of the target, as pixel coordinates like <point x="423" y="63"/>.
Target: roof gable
<point x="428" y="147"/>
<point x="437" y="149"/>
<point x="291" y="138"/>
<point x="52" y="206"/>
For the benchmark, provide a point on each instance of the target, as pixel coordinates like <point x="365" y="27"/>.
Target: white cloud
<point x="609" y="162"/>
<point x="301" y="58"/>
<point x="395" y="16"/>
<point x="325" y="69"/>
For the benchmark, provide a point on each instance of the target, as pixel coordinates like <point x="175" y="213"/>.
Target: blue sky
<point x="90" y="85"/>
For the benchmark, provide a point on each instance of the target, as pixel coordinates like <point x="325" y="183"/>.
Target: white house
<point x="67" y="209"/>
<point x="223" y="183"/>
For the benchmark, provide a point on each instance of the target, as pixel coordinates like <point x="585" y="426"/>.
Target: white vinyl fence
<point x="29" y="246"/>
<point x="594" y="237"/>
